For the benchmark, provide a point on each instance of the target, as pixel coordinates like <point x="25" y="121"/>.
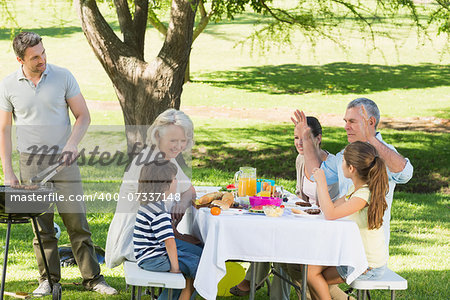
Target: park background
<point x="240" y="99"/>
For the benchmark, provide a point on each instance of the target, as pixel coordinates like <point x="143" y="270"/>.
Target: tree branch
<point x="155" y="22"/>
<point x="125" y="22"/>
<point x="352" y="8"/>
<point x="204" y="21"/>
<point x="177" y="45"/>
<point x="201" y="7"/>
<point x="140" y="24"/>
<point x="99" y="34"/>
<point x="275" y="16"/>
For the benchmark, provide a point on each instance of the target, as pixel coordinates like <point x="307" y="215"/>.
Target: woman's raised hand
<point x="301" y="126"/>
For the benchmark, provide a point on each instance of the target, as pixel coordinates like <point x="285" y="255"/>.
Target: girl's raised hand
<point x="319" y="175"/>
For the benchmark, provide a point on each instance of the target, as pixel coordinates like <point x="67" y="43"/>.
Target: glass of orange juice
<point x="245" y="179"/>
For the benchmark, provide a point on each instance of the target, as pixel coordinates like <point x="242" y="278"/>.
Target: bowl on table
<point x="273" y="211"/>
<point x="261" y="201"/>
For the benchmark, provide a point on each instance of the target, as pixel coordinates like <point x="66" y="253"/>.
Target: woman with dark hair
<point x="305" y="188"/>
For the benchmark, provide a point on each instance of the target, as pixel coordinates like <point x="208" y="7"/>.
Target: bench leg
<point x="133" y="292"/>
<point x="139" y="293"/>
<point x="364" y="294"/>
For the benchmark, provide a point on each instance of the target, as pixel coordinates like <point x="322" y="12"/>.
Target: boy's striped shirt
<point x="153" y="226"/>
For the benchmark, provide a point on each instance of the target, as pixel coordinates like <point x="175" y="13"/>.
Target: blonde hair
<point x="171" y="117"/>
<point x="371" y="169"/>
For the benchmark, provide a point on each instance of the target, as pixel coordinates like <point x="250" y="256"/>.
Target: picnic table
<point x="287" y="239"/>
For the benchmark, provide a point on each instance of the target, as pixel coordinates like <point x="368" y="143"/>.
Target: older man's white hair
<point x="370" y="106"/>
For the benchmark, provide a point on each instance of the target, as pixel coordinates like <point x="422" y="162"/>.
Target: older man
<point x="38" y="96"/>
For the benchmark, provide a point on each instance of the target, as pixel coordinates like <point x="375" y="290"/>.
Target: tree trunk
<point x="143" y="89"/>
<point x="187" y="73"/>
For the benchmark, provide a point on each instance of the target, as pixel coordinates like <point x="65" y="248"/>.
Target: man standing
<point x="38" y="96"/>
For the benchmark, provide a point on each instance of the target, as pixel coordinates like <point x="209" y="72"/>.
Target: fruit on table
<point x="263" y="194"/>
<point x="215" y="211"/>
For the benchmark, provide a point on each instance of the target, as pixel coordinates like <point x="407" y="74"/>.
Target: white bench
<point x="390" y="281"/>
<point x="137" y="277"/>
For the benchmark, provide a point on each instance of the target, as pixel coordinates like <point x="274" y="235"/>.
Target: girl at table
<point x="155" y="246"/>
<point x="365" y="204"/>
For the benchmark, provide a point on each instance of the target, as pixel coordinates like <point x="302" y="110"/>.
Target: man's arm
<point x="6" y="147"/>
<point x="80" y="111"/>
<point x="393" y="160"/>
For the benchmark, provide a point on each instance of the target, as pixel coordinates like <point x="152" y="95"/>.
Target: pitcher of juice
<point x="245" y="179"/>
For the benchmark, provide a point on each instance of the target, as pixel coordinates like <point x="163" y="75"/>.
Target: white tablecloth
<point x="288" y="239"/>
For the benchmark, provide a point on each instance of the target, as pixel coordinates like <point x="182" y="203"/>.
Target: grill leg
<point x="5" y="260"/>
<point x="38" y="236"/>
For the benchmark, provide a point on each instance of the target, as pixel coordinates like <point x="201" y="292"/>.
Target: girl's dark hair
<point x="371" y="169"/>
<point x="315" y="126"/>
<point x="155" y="179"/>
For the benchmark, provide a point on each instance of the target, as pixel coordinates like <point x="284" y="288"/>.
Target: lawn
<point x="407" y="81"/>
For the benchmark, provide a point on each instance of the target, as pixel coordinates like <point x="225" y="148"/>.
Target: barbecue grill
<point x="19" y="204"/>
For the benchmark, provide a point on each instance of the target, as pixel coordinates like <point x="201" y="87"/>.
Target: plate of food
<point x="232" y="211"/>
<point x="222" y="200"/>
<point x="256" y="210"/>
<point x="303" y="203"/>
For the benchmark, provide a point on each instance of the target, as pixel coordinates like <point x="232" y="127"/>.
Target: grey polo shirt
<point x="40" y="112"/>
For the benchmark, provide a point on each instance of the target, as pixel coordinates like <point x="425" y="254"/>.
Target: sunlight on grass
<point x="407" y="80"/>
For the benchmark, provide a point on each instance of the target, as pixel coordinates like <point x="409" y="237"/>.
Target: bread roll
<point x="205" y="199"/>
<point x="298" y="211"/>
<point x="221" y="204"/>
<point x="228" y="198"/>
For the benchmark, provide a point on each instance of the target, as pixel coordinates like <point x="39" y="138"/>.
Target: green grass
<point x="227" y="144"/>
<point x="319" y="80"/>
<point x="419" y="251"/>
<point x="420" y="232"/>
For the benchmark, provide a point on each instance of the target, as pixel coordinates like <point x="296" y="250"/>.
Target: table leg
<point x="304" y="278"/>
<point x="252" y="282"/>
